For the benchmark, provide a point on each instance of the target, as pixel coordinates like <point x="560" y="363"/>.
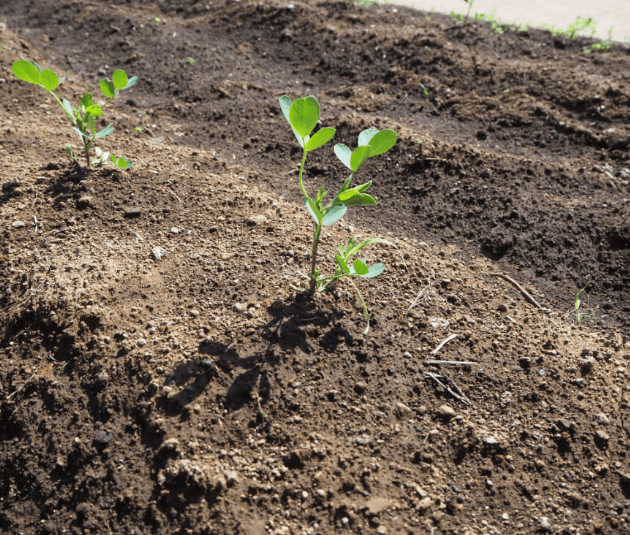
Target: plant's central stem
<point x="312" y="287"/>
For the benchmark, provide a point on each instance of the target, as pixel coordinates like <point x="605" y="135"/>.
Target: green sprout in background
<point x="303" y="115"/>
<point x="190" y="61"/>
<point x="581" y="314"/>
<point x="581" y="24"/>
<point x="84" y="116"/>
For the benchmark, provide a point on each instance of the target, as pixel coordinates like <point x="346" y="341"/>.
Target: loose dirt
<point x="198" y="392"/>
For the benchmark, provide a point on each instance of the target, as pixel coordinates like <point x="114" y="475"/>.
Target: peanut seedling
<point x="84" y="116"/>
<point x="303" y="115"/>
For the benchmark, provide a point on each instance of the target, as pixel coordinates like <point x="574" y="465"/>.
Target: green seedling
<point x="190" y="61"/>
<point x="470" y="4"/>
<point x="303" y="115"/>
<point x="581" y="24"/>
<point x="580" y="313"/>
<point x="83" y="117"/>
<point x="157" y="21"/>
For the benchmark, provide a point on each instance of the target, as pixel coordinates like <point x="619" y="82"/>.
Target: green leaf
<point x="107" y="88"/>
<point x="92" y="124"/>
<point x="312" y="209"/>
<point x="321" y="137"/>
<point x="382" y="142"/>
<point x="304" y="114"/>
<point x="359" y="155"/>
<point x="87" y="100"/>
<point x="342" y="264"/>
<point x="49" y="80"/>
<point x="67" y="107"/>
<point x="27" y="71"/>
<point x="285" y="106"/>
<point x="94" y="110"/>
<point x="82" y="133"/>
<point x="363" y="187"/>
<point x="120" y="79"/>
<point x="366" y="135"/>
<point x="360" y="268"/>
<point x="374" y="271"/>
<point x="352" y="197"/>
<point x="132" y="81"/>
<point x="333" y="215"/>
<point x="105" y="132"/>
<point x="344" y="154"/>
<point x="121" y="163"/>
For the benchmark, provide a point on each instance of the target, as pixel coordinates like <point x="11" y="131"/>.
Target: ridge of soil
<point x="199" y="393"/>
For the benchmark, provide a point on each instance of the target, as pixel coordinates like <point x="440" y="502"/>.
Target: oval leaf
<point x="360" y="268"/>
<point x="26" y="71"/>
<point x="312" y="209"/>
<point x="374" y="271"/>
<point x="285" y="106"/>
<point x="364" y="187"/>
<point x="342" y="264"/>
<point x="304" y="114"/>
<point x="107" y="88"/>
<point x="321" y="137"/>
<point x="49" y="80"/>
<point x="92" y="124"/>
<point x="366" y="135"/>
<point x="105" y="132"/>
<point x="382" y="142"/>
<point x="94" y="110"/>
<point x="132" y="81"/>
<point x="333" y="215"/>
<point x="359" y="155"/>
<point x="87" y="100"/>
<point x="352" y="197"/>
<point x="344" y="154"/>
<point x="67" y="107"/>
<point x="120" y="79"/>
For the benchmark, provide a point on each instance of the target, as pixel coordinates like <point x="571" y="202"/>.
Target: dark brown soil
<point x="199" y="393"/>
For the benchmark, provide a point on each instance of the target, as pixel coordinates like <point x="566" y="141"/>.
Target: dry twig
<point x="526" y="295"/>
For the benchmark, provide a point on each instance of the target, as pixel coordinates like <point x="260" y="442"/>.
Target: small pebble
<point x="174" y="230"/>
<point x="544" y="524"/>
<point x="446" y="411"/>
<point x="18" y="224"/>
<point x="158" y="253"/>
<point x="240" y="308"/>
<point x="602" y="419"/>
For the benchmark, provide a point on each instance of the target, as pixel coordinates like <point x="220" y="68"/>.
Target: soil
<point x="194" y="391"/>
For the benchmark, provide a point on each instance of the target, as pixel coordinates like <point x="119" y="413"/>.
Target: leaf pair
<point x="303" y="115"/>
<point x="31" y="72"/>
<point x="119" y="81"/>
<point x="359" y="268"/>
<point x="371" y="143"/>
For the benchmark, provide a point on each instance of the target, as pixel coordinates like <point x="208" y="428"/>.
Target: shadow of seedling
<point x="188" y="380"/>
<point x="71" y="183"/>
<point x="292" y="322"/>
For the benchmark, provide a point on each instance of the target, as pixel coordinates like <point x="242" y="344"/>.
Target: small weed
<point x="83" y="117"/>
<point x="582" y="313"/>
<point x="157" y="20"/>
<point x="603" y="45"/>
<point x="581" y="24"/>
<point x="303" y="116"/>
<point x="190" y="61"/>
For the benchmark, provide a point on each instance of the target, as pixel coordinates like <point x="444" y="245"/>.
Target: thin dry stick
<point x="527" y="296"/>
<point x="459" y="396"/>
<point x="419" y="295"/>
<point x="452" y="362"/>
<point x="443" y="343"/>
